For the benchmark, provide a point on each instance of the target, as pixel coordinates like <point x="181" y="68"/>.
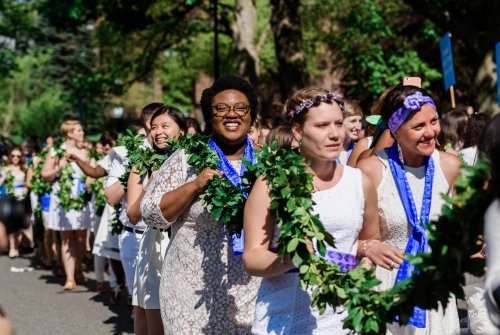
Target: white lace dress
<point x="396" y="231"/>
<point x="285" y="308"/>
<point x="204" y="288"/>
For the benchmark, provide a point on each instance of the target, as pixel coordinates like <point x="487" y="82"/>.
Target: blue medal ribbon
<point x="417" y="241"/>
<point x="349" y="152"/>
<point x="235" y="178"/>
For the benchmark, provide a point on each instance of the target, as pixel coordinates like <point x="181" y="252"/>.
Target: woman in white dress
<point x="346" y="202"/>
<point x="411" y="177"/>
<point x="166" y="123"/>
<point x="204" y="288"/>
<point x="72" y="224"/>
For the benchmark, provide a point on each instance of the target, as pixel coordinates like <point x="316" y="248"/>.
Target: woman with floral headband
<point x="411" y="177"/>
<point x="346" y="203"/>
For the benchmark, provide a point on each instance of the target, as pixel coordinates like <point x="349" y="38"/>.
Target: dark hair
<point x="107" y="138"/>
<point x="148" y="111"/>
<point x="192" y="123"/>
<point x="395" y="99"/>
<point x="489" y="145"/>
<point x="223" y="84"/>
<point x="453" y="127"/>
<point x="282" y="135"/>
<point x="174" y="113"/>
<point x="475" y="128"/>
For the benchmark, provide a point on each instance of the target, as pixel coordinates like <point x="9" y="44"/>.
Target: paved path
<point x="36" y="304"/>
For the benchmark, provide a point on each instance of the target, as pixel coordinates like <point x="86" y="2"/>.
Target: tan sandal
<point x="70" y="285"/>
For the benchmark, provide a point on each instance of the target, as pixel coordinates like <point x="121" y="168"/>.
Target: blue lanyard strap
<point x="225" y="166"/>
<point x="237" y="238"/>
<point x="417" y="241"/>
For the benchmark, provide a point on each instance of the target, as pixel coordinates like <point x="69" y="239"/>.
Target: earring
<point x="400" y="154"/>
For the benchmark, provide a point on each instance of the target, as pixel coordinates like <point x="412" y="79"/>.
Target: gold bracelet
<point x="366" y="245"/>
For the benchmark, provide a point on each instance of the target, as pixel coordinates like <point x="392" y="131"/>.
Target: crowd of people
<point x="377" y="178"/>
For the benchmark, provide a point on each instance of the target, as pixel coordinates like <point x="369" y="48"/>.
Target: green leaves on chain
<point x="441" y="272"/>
<point x="65" y="181"/>
<point x="100" y="199"/>
<point x="223" y="200"/>
<point x="9" y="184"/>
<point x="38" y="185"/>
<point x="114" y="223"/>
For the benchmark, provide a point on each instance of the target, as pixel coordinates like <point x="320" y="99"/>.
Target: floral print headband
<point x="311" y="102"/>
<point x="412" y="103"/>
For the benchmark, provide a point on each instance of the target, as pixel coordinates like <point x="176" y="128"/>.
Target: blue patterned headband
<point x="311" y="102"/>
<point x="412" y="103"/>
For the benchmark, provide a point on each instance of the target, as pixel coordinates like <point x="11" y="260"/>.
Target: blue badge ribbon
<point x="45" y="202"/>
<point x="417" y="241"/>
<point x="235" y="178"/>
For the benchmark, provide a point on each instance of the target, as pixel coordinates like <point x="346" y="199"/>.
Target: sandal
<point x="70" y="285"/>
<point x="13" y="253"/>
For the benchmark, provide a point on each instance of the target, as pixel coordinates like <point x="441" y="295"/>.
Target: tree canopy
<point x="81" y="59"/>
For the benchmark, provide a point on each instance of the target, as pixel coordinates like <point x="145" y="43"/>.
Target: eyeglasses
<point x="239" y="109"/>
<point x="15" y="156"/>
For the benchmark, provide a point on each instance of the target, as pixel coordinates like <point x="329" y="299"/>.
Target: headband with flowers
<point x="308" y="103"/>
<point x="412" y="103"/>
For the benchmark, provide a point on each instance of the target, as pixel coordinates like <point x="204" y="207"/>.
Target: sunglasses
<point x="15" y="156"/>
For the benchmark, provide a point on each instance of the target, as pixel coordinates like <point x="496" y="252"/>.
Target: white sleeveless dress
<point x="69" y="220"/>
<point x="283" y="307"/>
<point x="396" y="230"/>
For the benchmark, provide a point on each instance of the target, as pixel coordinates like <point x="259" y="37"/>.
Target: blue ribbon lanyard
<point x="235" y="178"/>
<point x="417" y="241"/>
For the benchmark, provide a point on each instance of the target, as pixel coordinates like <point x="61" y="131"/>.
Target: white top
<point x="283" y="307"/>
<point x="119" y="160"/>
<point x="396" y="229"/>
<point x="344" y="219"/>
<point x="469" y="155"/>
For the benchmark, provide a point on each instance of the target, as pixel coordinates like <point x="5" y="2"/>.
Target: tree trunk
<point x="286" y="27"/>
<point x="486" y="79"/>
<point x="244" y="31"/>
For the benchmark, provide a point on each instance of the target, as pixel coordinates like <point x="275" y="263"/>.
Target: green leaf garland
<point x="224" y="201"/>
<point x="9" y="184"/>
<point x="65" y="181"/>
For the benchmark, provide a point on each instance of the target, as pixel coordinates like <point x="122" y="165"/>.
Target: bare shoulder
<point x="450" y="164"/>
<point x="372" y="168"/>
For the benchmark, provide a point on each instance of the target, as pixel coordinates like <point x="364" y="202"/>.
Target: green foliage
<point x="223" y="200"/>
<point x="32" y="101"/>
<point x="38" y="185"/>
<point x="452" y="239"/>
<point x="114" y="223"/>
<point x="373" y="44"/>
<point x="100" y="199"/>
<point x="9" y="184"/>
<point x="65" y="181"/>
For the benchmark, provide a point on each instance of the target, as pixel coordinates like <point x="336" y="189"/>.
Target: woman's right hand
<point x="205" y="176"/>
<point x="385" y="255"/>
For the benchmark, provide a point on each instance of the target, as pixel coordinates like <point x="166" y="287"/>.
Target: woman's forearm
<point x="265" y="263"/>
<point x="94" y="172"/>
<point x="134" y="209"/>
<point x="174" y="203"/>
